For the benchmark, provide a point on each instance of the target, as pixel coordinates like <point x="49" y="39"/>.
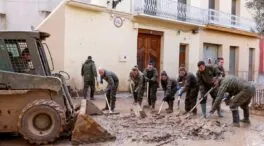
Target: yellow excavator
<point x="35" y="102"/>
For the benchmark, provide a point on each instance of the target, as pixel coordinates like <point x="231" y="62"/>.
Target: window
<point x="211" y="4"/>
<point x="19" y="55"/>
<point x="2" y="21"/>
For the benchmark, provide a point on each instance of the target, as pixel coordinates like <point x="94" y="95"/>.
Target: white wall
<point x="125" y="6"/>
<point x="22" y="14"/>
<point x="93" y="33"/>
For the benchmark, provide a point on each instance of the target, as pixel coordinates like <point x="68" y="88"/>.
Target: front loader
<point x="36" y="103"/>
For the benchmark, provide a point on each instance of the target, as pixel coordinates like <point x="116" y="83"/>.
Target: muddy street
<point x="166" y="129"/>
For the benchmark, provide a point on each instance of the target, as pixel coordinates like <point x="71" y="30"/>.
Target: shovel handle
<point x="130" y="86"/>
<point x="147" y="89"/>
<point x="108" y="104"/>
<point x="200" y="100"/>
<point x="161" y="107"/>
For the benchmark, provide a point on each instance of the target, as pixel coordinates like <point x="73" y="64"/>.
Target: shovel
<point x="199" y="102"/>
<point x="179" y="100"/>
<point x="138" y="110"/>
<point x="161" y="107"/>
<point x="108" y="105"/>
<point x="147" y="92"/>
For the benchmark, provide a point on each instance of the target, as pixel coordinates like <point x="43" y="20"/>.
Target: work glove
<point x="152" y="80"/>
<point x="211" y="111"/>
<point x="180" y="92"/>
<point x="227" y="101"/>
<point x="107" y="89"/>
<point x="165" y="98"/>
<point x="147" y="79"/>
<point x="215" y="82"/>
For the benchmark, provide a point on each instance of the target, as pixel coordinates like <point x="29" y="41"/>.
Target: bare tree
<point x="257" y="9"/>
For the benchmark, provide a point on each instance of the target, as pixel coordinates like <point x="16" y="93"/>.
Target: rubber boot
<point x="92" y="94"/>
<point x="246" y="116"/>
<point x="219" y="112"/>
<point x="135" y="97"/>
<point x="153" y="104"/>
<point x="112" y="106"/>
<point x="140" y="102"/>
<point x="235" y="115"/>
<point x="170" y="110"/>
<point x="203" y="106"/>
<point x="106" y="108"/>
<point x="168" y="106"/>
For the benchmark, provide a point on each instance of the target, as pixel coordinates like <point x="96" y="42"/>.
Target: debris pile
<point x="161" y="129"/>
<point x="259" y="107"/>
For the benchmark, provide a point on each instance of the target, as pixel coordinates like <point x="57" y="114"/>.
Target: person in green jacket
<point x="240" y="94"/>
<point x="136" y="79"/>
<point x="89" y="76"/>
<point x="207" y="77"/>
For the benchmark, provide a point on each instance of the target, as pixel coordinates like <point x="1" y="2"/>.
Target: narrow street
<point x="166" y="129"/>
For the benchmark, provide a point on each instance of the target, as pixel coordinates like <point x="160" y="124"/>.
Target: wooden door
<point x="232" y="61"/>
<point x="148" y="50"/>
<point x="210" y="52"/>
<point x="182" y="56"/>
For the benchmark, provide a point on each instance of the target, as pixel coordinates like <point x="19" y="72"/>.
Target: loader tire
<point x="41" y="121"/>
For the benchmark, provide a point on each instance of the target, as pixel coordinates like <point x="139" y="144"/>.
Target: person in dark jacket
<point x="241" y="90"/>
<point x="207" y="78"/>
<point x="111" y="88"/>
<point x="151" y="78"/>
<point x="169" y="86"/>
<point x="191" y="88"/>
<point x="136" y="79"/>
<point x="89" y="77"/>
<point x="220" y="67"/>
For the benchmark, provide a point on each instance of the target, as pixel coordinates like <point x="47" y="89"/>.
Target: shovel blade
<point x="139" y="112"/>
<point x="87" y="130"/>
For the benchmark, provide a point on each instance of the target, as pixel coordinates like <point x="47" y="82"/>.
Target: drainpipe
<point x="261" y="58"/>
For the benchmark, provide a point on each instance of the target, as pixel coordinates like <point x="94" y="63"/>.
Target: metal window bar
<point x="258" y="100"/>
<point x="19" y="55"/>
<point x="231" y="21"/>
<point x="170" y="9"/>
<point x="244" y="75"/>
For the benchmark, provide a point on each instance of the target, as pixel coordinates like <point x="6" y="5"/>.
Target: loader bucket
<point x="86" y="130"/>
<point x="91" y="109"/>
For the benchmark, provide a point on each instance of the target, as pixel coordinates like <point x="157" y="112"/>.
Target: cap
<point x="135" y="68"/>
<point x="89" y="57"/>
<point x="150" y="63"/>
<point x="200" y="63"/>
<point x="182" y="69"/>
<point x="163" y="73"/>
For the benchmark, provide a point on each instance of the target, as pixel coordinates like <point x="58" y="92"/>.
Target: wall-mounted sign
<point x="118" y="21"/>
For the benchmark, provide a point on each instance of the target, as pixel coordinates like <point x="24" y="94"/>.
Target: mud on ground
<point x="161" y="129"/>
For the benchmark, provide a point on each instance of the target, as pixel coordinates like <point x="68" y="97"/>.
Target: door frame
<point x="186" y="48"/>
<point x="236" y="51"/>
<point x="153" y="33"/>
<point x="251" y="76"/>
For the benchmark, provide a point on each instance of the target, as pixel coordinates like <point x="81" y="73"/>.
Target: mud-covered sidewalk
<point x="161" y="129"/>
<point x="166" y="129"/>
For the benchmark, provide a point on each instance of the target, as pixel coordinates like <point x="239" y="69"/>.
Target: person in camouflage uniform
<point x="207" y="79"/>
<point x="169" y="85"/>
<point x="137" y="82"/>
<point x="111" y="88"/>
<point x="151" y="77"/>
<point x="220" y="67"/>
<point x="89" y="76"/>
<point x="241" y="90"/>
<point x="190" y="87"/>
